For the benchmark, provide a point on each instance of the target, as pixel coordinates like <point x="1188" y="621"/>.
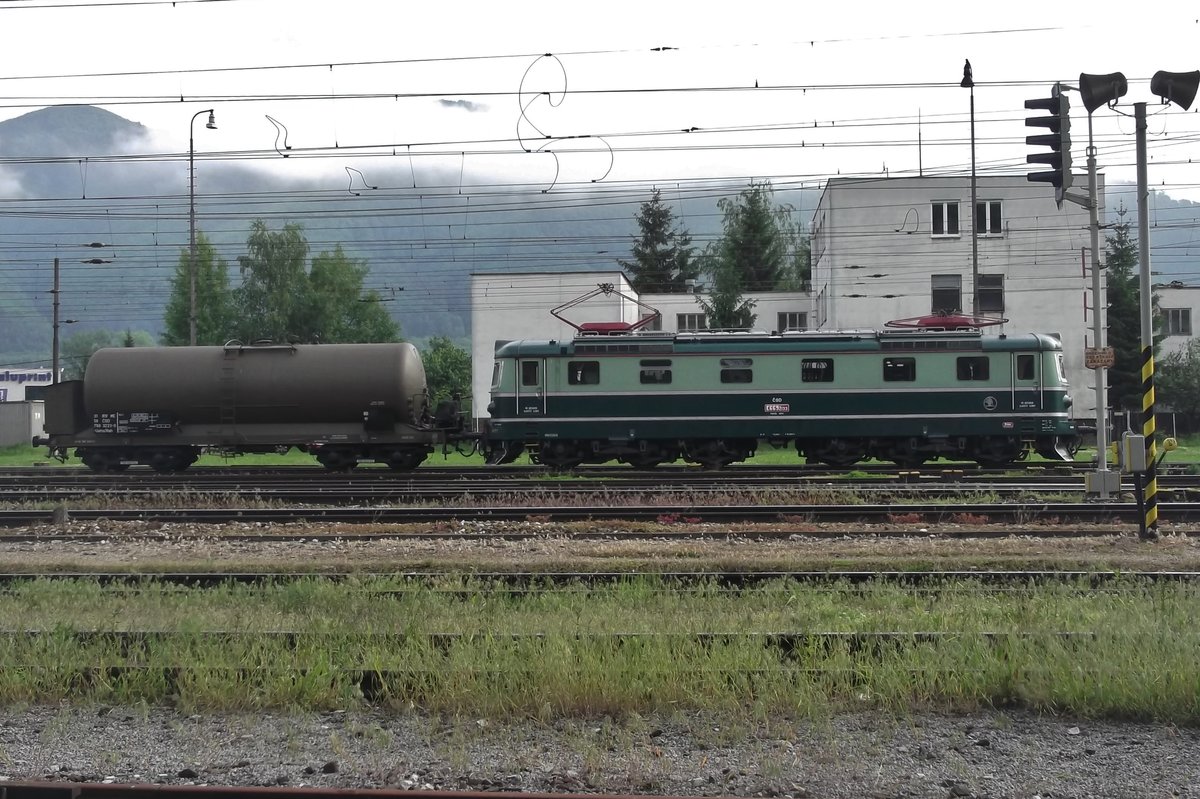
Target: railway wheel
<point x="906" y="454"/>
<point x="337" y="459"/>
<point x="718" y="453"/>
<point x="995" y="451"/>
<point x="650" y="455"/>
<point x="561" y="454"/>
<point x="102" y="460"/>
<point x="835" y="452"/>
<point x="169" y="460"/>
<point x="403" y="460"/>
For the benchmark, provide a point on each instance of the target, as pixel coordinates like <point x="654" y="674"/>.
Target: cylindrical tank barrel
<point x="258" y="384"/>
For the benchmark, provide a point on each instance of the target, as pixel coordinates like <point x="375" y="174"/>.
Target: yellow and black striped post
<point x="1149" y="525"/>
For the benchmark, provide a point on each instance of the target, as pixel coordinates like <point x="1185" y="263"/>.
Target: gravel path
<point x="858" y="755"/>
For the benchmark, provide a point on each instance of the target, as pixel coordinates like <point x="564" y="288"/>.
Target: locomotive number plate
<point x="777" y="407"/>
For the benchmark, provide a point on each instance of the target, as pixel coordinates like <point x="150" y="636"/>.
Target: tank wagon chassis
<point x="162" y="407"/>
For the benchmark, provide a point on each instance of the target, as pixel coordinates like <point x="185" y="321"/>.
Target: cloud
<point x="466" y="105"/>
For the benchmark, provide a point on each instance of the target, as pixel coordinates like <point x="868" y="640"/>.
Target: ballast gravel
<point x="992" y="754"/>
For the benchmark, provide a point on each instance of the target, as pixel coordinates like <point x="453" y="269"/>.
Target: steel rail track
<point x="95" y="790"/>
<point x="1025" y="512"/>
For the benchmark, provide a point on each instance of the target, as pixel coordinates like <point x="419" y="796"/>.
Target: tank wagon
<point x="908" y="396"/>
<point x="161" y="406"/>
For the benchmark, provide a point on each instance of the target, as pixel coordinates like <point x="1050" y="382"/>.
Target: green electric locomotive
<point x="710" y="398"/>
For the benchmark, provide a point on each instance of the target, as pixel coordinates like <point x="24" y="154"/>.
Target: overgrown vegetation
<point x="1130" y="651"/>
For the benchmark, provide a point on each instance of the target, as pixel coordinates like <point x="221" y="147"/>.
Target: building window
<point x="899" y="370"/>
<point x="946" y="293"/>
<point x="1179" y="321"/>
<point x="816" y="370"/>
<point x="991" y="294"/>
<point x="737" y="370"/>
<point x="656" y="324"/>
<point x="792" y="320"/>
<point x="945" y="218"/>
<point x="583" y="373"/>
<point x="974" y="367"/>
<point x="690" y="321"/>
<point x="988" y="219"/>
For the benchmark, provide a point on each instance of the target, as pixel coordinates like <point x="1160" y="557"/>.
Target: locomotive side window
<point x="899" y="369"/>
<point x="655" y="371"/>
<point x="583" y="373"/>
<point x="816" y="370"/>
<point x="973" y="368"/>
<point x="737" y="370"/>
<point x="529" y="373"/>
<point x="1025" y="370"/>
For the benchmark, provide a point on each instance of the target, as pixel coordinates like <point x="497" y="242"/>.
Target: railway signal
<point x="1058" y="121"/>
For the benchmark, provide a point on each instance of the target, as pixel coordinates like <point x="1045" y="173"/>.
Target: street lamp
<point x="211" y="125"/>
<point x="968" y="82"/>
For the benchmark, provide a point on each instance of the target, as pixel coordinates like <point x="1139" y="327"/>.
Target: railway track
<point x="926" y="512"/>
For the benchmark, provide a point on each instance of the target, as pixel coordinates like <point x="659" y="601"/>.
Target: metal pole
<point x="1099" y="305"/>
<point x="192" y="220"/>
<point x="1149" y="528"/>
<point x="974" y="218"/>
<point x="192" y="231"/>
<point x="54" y="337"/>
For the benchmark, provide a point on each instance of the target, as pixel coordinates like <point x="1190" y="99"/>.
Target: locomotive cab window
<point x="583" y="373"/>
<point x="529" y="373"/>
<point x="816" y="370"/>
<point x="1025" y="367"/>
<point x="973" y="368"/>
<point x="737" y="370"/>
<point x="899" y="370"/>
<point x="656" y="371"/>
<point x="496" y="375"/>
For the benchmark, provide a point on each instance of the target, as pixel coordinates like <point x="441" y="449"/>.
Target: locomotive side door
<point x="1027" y="382"/>
<point x="531" y="387"/>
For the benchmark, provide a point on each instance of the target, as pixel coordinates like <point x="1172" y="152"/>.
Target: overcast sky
<point x="461" y="89"/>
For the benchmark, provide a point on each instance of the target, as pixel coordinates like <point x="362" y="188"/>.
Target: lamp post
<point x="211" y="125"/>
<point x="968" y="82"/>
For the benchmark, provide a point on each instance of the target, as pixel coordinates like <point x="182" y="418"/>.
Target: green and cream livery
<point x="908" y="396"/>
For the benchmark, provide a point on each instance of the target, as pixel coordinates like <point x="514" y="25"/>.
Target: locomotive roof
<point x="806" y="341"/>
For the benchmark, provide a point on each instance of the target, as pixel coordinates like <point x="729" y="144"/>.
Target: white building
<point x="14" y="381"/>
<point x="1178" y="305"/>
<point x="895" y="248"/>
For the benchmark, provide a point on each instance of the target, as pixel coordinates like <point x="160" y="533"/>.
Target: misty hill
<point x="61" y="188"/>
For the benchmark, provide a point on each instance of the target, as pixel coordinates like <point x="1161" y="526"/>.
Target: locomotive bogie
<point x="841" y="398"/>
